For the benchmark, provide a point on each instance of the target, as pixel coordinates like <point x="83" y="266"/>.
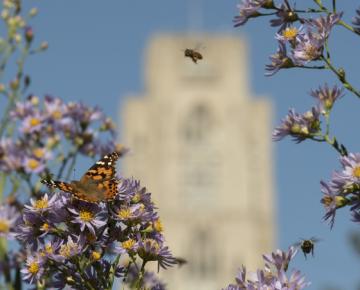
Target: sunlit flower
<point x="42" y="204"/>
<point x="285" y="17"/>
<point x="309" y="47"/>
<point x="152" y="250"/>
<point x="247" y="9"/>
<point x="327" y="96"/>
<point x="279" y="60"/>
<point x="300" y="127"/>
<point x="90" y="217"/>
<point x="33" y="269"/>
<point x="9" y="217"/>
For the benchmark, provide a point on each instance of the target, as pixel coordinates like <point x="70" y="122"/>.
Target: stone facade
<point x="202" y="146"/>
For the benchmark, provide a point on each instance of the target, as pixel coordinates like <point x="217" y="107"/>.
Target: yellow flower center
<point x="65" y="251"/>
<point x="311" y="52"/>
<point x="57" y="114"/>
<point x="124" y="213"/>
<point x="4" y="226"/>
<point x="48" y="249"/>
<point x="86" y="216"/>
<point x="38" y="152"/>
<point x="33" y="163"/>
<point x="295" y="129"/>
<point x="356" y="172"/>
<point x="95" y="255"/>
<point x="34" y="122"/>
<point x="127" y="245"/>
<point x="141" y="207"/>
<point x="158" y="226"/>
<point x="45" y="227"/>
<point x="33" y="267"/>
<point x="136" y="198"/>
<point x="290" y="33"/>
<point x="41" y="203"/>
<point x="35" y="101"/>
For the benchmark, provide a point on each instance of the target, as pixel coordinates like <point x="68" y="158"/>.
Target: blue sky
<point x="96" y="55"/>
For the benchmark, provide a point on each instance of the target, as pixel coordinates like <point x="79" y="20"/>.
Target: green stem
<point x="112" y="271"/>
<point x="2" y="185"/>
<point x="341" y="77"/>
<point x="139" y="282"/>
<point x="71" y="167"/>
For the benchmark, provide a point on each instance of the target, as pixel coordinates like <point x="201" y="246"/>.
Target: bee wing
<point x="199" y="46"/>
<point x="297" y="244"/>
<point x="315" y="239"/>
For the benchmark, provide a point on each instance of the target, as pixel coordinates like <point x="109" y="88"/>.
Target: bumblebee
<point x="193" y="54"/>
<point x="307" y="246"/>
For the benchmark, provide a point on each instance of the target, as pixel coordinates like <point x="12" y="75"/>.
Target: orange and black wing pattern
<point x="67" y="187"/>
<point x="96" y="185"/>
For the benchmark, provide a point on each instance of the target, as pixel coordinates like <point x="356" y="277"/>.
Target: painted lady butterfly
<point x="97" y="184"/>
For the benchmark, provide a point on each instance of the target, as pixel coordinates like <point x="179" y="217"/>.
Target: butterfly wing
<point x="67" y="187"/>
<point x="102" y="170"/>
<point x="100" y="179"/>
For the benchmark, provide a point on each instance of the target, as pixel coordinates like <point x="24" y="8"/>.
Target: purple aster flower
<point x="285" y="17"/>
<point x="70" y="248"/>
<point x="323" y="25"/>
<point x="296" y="281"/>
<point x="9" y="218"/>
<point x="25" y="109"/>
<point x="33" y="165"/>
<point x="289" y="34"/>
<point x="279" y="60"/>
<point x="351" y="168"/>
<point x="128" y="246"/>
<point x="298" y="126"/>
<point x="356" y="21"/>
<point x="50" y="248"/>
<point x="132" y="215"/>
<point x="247" y="9"/>
<point x="273" y="276"/>
<point x="327" y="96"/>
<point x="83" y="114"/>
<point x="33" y="269"/>
<point x="32" y="123"/>
<point x="331" y="202"/>
<point x="280" y="259"/>
<point x="309" y="47"/>
<point x="90" y="217"/>
<point x="42" y="204"/>
<point x="54" y="108"/>
<point x="152" y="250"/>
<point x="10" y="156"/>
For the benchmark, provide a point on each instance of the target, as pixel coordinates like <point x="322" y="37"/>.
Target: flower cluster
<point x="76" y="243"/>
<point x="307" y="125"/>
<point x="305" y="43"/>
<point x="42" y="128"/>
<point x="297" y="45"/>
<point x="273" y="276"/>
<point x="343" y="189"/>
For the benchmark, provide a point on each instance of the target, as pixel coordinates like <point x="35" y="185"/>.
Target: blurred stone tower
<point x="202" y="146"/>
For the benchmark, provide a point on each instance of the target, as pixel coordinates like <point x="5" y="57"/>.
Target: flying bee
<point x="193" y="54"/>
<point x="307" y="246"/>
